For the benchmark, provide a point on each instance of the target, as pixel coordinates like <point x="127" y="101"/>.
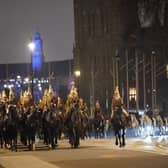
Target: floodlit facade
<point x="118" y="43"/>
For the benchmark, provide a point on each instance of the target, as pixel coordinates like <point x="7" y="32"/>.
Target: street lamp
<point x="77" y="75"/>
<point x="32" y="47"/>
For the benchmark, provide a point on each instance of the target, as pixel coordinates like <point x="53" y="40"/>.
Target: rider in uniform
<point x="117" y="101"/>
<point x="119" y="118"/>
<point x="98" y="110"/>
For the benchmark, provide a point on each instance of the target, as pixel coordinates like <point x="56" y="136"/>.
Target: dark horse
<point x="1" y="130"/>
<point x="99" y="124"/>
<point x="50" y="127"/>
<point x="74" y="121"/>
<point x="11" y="127"/>
<point x="119" y="123"/>
<point x="31" y="126"/>
<point x="3" y="116"/>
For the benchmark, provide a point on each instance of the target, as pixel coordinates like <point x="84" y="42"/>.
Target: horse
<point x="74" y="124"/>
<point x="99" y="125"/>
<point x="32" y="124"/>
<point x="50" y="127"/>
<point x="146" y="125"/>
<point x="11" y="127"/>
<point x="2" y="124"/>
<point x="160" y="123"/>
<point x="135" y="124"/>
<point x="84" y="124"/>
<point x="1" y="130"/>
<point x="119" y="124"/>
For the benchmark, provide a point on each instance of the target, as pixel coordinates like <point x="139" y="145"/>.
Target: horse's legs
<point x="76" y="137"/>
<point x="49" y="138"/>
<point x="119" y="138"/>
<point x="71" y="136"/>
<point x="96" y="133"/>
<point x="123" y="137"/>
<point x="1" y="141"/>
<point x="56" y="137"/>
<point x="14" y="140"/>
<point x="116" y="141"/>
<point x="33" y="141"/>
<point x="53" y="137"/>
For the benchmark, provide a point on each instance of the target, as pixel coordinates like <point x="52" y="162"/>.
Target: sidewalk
<point x="25" y="161"/>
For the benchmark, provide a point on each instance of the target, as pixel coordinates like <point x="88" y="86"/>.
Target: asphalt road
<point x="102" y="153"/>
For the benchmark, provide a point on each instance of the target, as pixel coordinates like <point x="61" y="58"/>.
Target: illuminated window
<point x="132" y="94"/>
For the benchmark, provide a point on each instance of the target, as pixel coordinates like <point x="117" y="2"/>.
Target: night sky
<point x="20" y="19"/>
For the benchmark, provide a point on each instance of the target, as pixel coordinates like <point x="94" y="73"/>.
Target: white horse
<point x="135" y="125"/>
<point x="146" y="126"/>
<point x="161" y="125"/>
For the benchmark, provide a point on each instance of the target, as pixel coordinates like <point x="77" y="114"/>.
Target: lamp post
<point x="77" y="75"/>
<point x="32" y="47"/>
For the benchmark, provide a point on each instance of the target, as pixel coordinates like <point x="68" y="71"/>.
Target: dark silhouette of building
<point x="120" y="42"/>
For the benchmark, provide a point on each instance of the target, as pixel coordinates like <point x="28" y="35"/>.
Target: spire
<point x="37" y="53"/>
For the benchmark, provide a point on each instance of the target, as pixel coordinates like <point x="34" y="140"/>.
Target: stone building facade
<point x="108" y="30"/>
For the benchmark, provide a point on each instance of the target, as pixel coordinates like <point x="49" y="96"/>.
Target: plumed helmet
<point x="4" y="94"/>
<point x="50" y="91"/>
<point x="11" y="93"/>
<point x="116" y="92"/>
<point x="29" y="91"/>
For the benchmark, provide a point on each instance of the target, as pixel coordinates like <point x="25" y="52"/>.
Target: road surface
<point x="101" y="153"/>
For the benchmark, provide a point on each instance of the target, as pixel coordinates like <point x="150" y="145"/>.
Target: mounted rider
<point x="117" y="102"/>
<point x="119" y="118"/>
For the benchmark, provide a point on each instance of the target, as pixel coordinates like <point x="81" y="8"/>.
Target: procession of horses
<point x="50" y="120"/>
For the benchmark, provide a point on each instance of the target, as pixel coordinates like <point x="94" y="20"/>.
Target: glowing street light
<point x="77" y="73"/>
<point x="27" y="80"/>
<point x="18" y="77"/>
<point x="32" y="46"/>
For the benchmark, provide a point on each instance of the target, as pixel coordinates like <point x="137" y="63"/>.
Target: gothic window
<point x="98" y="22"/>
<point x="150" y="11"/>
<point x="85" y="21"/>
<point x="103" y="25"/>
<point x="161" y="12"/>
<point x="91" y="23"/>
<point x="166" y="15"/>
<point x="104" y="20"/>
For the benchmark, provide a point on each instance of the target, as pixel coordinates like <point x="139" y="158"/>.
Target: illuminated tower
<point x="37" y="53"/>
